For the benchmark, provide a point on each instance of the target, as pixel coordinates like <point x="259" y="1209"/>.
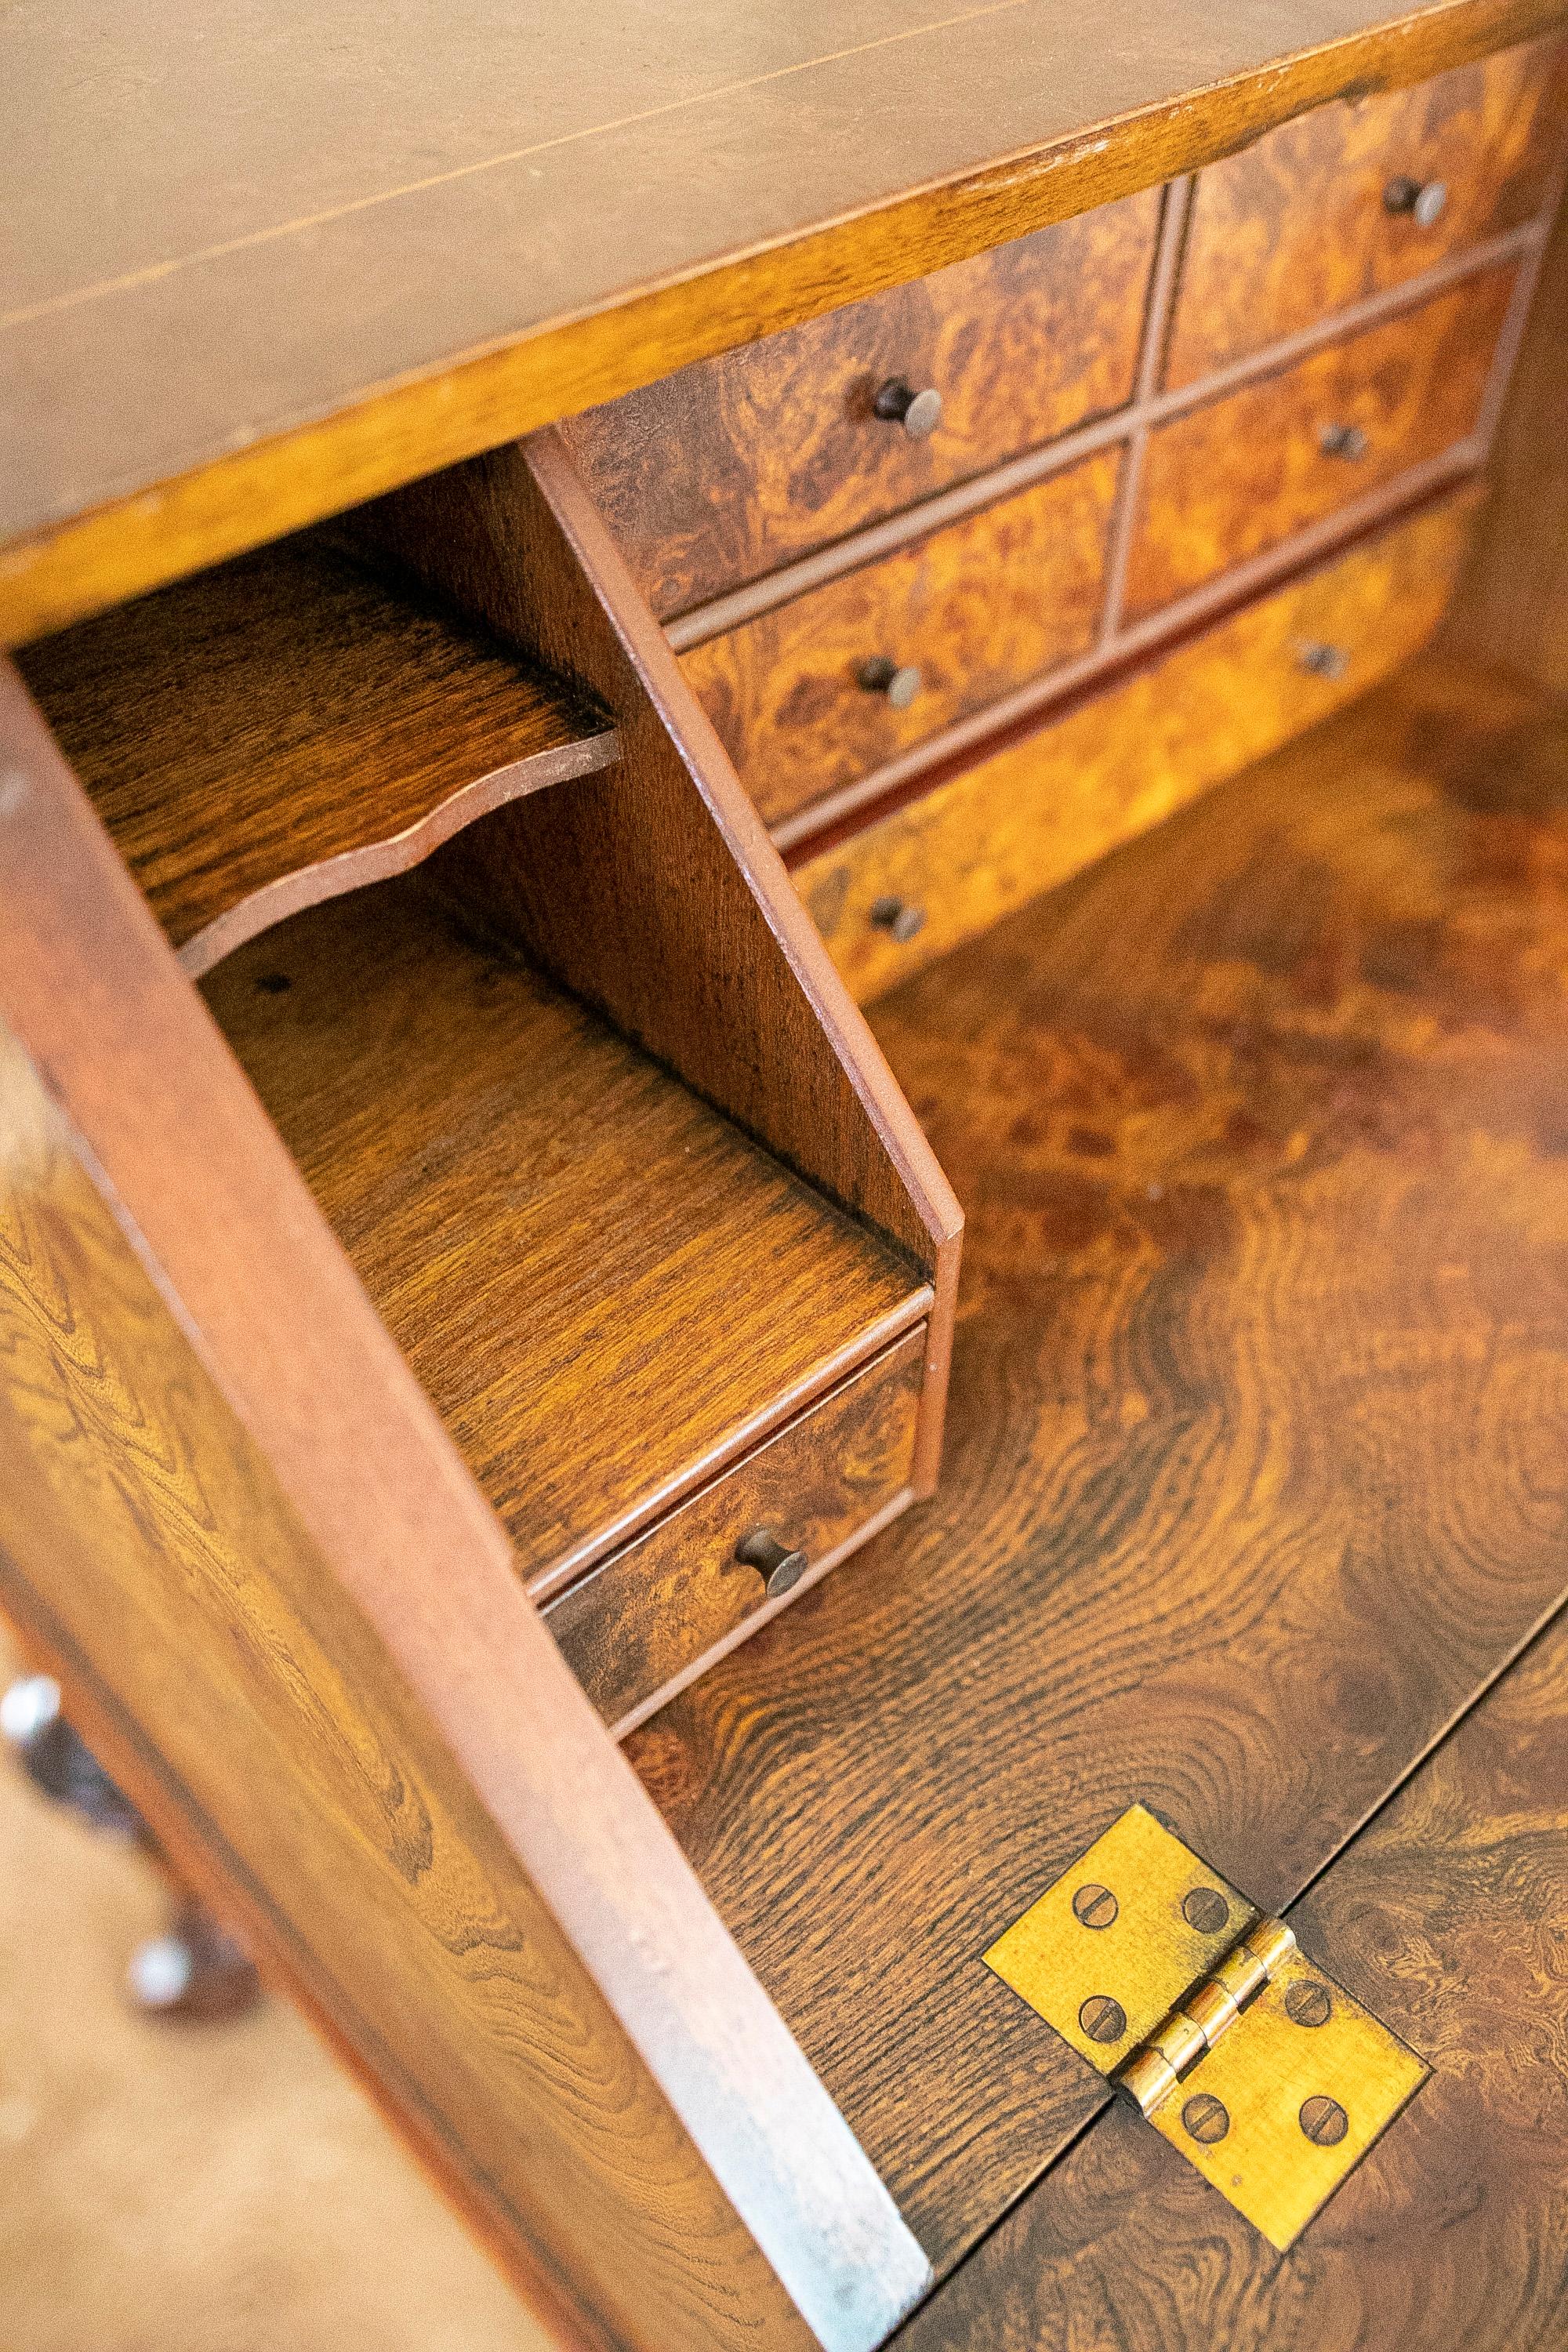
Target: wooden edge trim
<point x="238" y="499"/>
<point x="378" y="861"/>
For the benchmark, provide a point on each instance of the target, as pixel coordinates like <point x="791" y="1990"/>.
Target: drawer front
<point x="1241" y="474"/>
<point x="655" y="1608"/>
<point x="811" y="695"/>
<point x="739" y="465"/>
<point x="1022" y="822"/>
<point x="1299" y="224"/>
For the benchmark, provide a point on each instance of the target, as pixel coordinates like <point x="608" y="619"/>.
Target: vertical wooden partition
<point x="284" y="1613"/>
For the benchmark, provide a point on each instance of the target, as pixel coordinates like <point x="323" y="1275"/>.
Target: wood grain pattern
<point x="779" y="225"/>
<point x="1448" y="1916"/>
<point x="1022" y="821"/>
<point x="976" y="608"/>
<point x="224" y="1493"/>
<point x="269" y="734"/>
<point x="654" y="1610"/>
<point x="1241" y="474"/>
<point x="1295" y="227"/>
<point x="728" y="470"/>
<point x="606" y="1290"/>
<point x="1255" y="1469"/>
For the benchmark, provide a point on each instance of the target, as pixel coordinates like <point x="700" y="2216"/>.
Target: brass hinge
<point x="1253" y="2062"/>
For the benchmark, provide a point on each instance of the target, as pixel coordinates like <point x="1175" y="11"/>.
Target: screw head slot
<point x="1102" y="2018"/>
<point x="1308" y="2003"/>
<point x="1206" y="1909"/>
<point x="1323" y="2120"/>
<point x="1094" y="1905"/>
<point x="1206" y="2118"/>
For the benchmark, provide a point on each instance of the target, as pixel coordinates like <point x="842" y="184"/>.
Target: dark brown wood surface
<point x="652" y="1613"/>
<point x="1448" y="1916"/>
<point x="1020" y="821"/>
<point x="321" y="263"/>
<point x="732" y="468"/>
<point x="1295" y="227"/>
<point x="1237" y="476"/>
<point x="1254" y="1469"/>
<point x="293" y="1631"/>
<point x="976" y="609"/>
<point x="267" y="734"/>
<point x="607" y="1291"/>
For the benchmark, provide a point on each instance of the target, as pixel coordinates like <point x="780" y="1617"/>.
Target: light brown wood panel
<point x="280" y="729"/>
<point x="726" y="471"/>
<point x="654" y="1610"/>
<point x="1294" y="228"/>
<point x="1240" y="474"/>
<point x="1446" y="1918"/>
<point x="607" y="1291"/>
<point x="325" y="358"/>
<point x="1255" y="1463"/>
<point x="293" y="1631"/>
<point x="979" y="844"/>
<point x="977" y="608"/>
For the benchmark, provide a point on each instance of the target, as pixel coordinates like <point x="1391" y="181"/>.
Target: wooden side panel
<point x="286" y="1615"/>
<point x="728" y="470"/>
<point x="1295" y="227"/>
<point x="976" y="609"/>
<point x="1241" y="474"/>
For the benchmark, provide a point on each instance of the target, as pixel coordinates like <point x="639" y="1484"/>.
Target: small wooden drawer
<point x="826" y="688"/>
<point x="1358" y="197"/>
<point x="655" y="1610"/>
<point x="1241" y="474"/>
<point x="962" y="856"/>
<point x="733" y="468"/>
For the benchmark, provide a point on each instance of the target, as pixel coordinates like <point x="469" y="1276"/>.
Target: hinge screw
<point x="1206" y="2118"/>
<point x="1102" y="2018"/>
<point x="1094" y="1906"/>
<point x="1307" y="2003"/>
<point x="1206" y="1909"/>
<point x="1324" y="2121"/>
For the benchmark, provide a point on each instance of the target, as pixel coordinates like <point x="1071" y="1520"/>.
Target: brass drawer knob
<point x="1422" y="199"/>
<point x="778" y="1567"/>
<point x="899" y="916"/>
<point x="1320" y="660"/>
<point x="897" y="402"/>
<point x="1342" y="441"/>
<point x="898" y="681"/>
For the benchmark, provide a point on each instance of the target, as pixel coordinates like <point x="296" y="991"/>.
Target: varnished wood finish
<point x="1295" y="227"/>
<point x="976" y="609"/>
<point x="269" y="734"/>
<point x="1022" y="821"/>
<point x="1239" y="474"/>
<point x="680" y="921"/>
<point x="605" y="1289"/>
<point x="291" y="1628"/>
<point x="731" y="469"/>
<point x="1447" y="1915"/>
<point x="350" y="355"/>
<point x="656" y="1609"/>
<point x="1254" y="1464"/>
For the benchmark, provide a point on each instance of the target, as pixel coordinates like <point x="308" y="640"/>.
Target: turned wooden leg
<point x="196" y="1969"/>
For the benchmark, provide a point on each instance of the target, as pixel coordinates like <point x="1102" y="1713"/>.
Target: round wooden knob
<point x="899" y="916"/>
<point x="920" y="412"/>
<point x="1422" y="199"/>
<point x="1342" y="441"/>
<point x="899" y="682"/>
<point x="1321" y="660"/>
<point x="778" y="1567"/>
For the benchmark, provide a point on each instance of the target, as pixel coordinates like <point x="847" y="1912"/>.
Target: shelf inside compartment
<point x="286" y="726"/>
<point x="1255" y="1467"/>
<point x="606" y="1290"/>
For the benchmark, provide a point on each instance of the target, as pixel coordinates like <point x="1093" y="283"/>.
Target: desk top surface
<point x="229" y="227"/>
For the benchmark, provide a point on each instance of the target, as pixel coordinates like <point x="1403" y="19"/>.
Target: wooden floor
<point x="1256" y="1475"/>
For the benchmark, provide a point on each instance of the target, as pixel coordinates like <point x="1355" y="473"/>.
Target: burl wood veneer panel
<point x="1240" y="474"/>
<point x="605" y="1288"/>
<point x="977" y="608"/>
<point x="1448" y="1916"/>
<point x="731" y="468"/>
<point x="1255" y="1465"/>
<point x="1294" y="228"/>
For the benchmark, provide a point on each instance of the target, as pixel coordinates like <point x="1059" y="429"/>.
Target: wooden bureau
<point x="524" y="622"/>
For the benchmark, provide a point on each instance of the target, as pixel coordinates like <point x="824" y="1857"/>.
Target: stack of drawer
<point x="957" y="570"/>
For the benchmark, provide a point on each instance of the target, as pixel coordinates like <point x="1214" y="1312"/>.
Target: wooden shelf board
<point x="285" y="728"/>
<point x="606" y="1290"/>
<point x="1254" y="1458"/>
